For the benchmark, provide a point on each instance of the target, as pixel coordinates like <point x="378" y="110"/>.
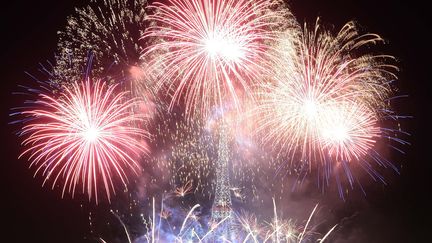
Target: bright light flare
<point x="137" y="73"/>
<point x="349" y="132"/>
<point x="91" y="134"/>
<point x="222" y="47"/>
<point x="310" y="109"/>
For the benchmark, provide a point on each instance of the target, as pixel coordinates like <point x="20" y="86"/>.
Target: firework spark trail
<point x="213" y="228"/>
<point x="249" y="224"/>
<point x="327" y="234"/>
<point x="123" y="225"/>
<point x="84" y="135"/>
<point x="211" y="50"/>
<point x="188" y="216"/>
<point x="307" y="223"/>
<point x="325" y="101"/>
<point x="184" y="189"/>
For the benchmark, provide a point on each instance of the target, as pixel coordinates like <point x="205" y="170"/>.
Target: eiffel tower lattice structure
<point x="222" y="205"/>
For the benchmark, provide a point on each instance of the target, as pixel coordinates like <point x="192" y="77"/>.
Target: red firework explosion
<point x="84" y="135"/>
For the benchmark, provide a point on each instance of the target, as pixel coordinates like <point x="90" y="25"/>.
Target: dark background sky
<point x="398" y="213"/>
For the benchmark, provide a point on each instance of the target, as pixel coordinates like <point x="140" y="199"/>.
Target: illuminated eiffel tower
<point x="222" y="206"/>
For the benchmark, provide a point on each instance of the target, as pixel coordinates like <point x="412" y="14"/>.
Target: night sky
<point x="398" y="212"/>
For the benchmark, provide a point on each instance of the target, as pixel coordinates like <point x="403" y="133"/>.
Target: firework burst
<point x="212" y="51"/>
<point x="104" y="39"/>
<point x="325" y="102"/>
<point x="111" y="30"/>
<point x="84" y="135"/>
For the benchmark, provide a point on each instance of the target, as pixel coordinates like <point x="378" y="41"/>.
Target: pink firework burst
<point x="84" y="135"/>
<point x="316" y="76"/>
<point x="324" y="104"/>
<point x="210" y="51"/>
